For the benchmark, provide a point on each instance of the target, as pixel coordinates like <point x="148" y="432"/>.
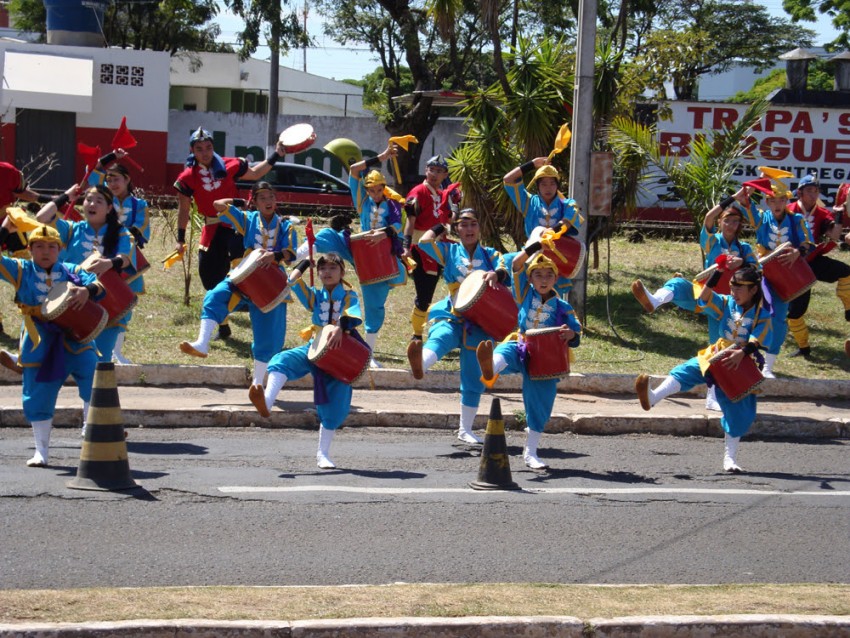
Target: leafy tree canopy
<point x="838" y="10"/>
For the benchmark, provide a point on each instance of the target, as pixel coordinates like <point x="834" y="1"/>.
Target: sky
<point x="331" y="60"/>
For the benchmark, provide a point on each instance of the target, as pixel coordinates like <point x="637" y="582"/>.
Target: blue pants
<point x="269" y="328"/>
<point x="737" y="417"/>
<point x="445" y="336"/>
<point x="780" y="321"/>
<point x="683" y="297"/>
<point x="105" y="341"/>
<point x="293" y="363"/>
<point x="538" y="396"/>
<point x="39" y="398"/>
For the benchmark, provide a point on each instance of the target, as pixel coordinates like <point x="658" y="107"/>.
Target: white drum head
<point x="56" y="299"/>
<point x="469" y="289"/>
<point x="297" y="135"/>
<point x="246" y="266"/>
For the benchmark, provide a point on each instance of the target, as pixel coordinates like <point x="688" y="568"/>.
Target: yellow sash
<point x="704" y="356"/>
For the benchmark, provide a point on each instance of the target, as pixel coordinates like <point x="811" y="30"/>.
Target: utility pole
<point x="304" y="48"/>
<point x="582" y="142"/>
<point x="274" y="82"/>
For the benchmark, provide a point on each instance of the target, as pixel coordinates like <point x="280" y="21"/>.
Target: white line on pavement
<point x="611" y="491"/>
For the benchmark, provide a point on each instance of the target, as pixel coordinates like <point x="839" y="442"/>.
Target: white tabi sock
<point x="661" y="297"/>
<point x="429" y="358"/>
<point x="117" y="356"/>
<point x="323" y="454"/>
<point x="529" y="454"/>
<point x="499" y="363"/>
<point x="41" y="434"/>
<point x="767" y="370"/>
<point x="276" y="382"/>
<point x="260" y="368"/>
<point x="202" y="343"/>
<point x="668" y="386"/>
<point x="86" y="405"/>
<point x="370" y="338"/>
<point x="730" y="453"/>
<point x="711" y="399"/>
<point x="467" y="421"/>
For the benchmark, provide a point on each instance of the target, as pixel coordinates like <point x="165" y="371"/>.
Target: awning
<point x="47" y="82"/>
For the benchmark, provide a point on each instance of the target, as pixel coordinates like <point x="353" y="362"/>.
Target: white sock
<point x="13" y="357"/>
<point x="202" y="343"/>
<point x="276" y="382"/>
<point x="429" y="358"/>
<point x="661" y="297"/>
<point x="260" y="368"/>
<point x="117" y="355"/>
<point x="467" y="421"/>
<point x="499" y="363"/>
<point x="323" y="459"/>
<point x="769" y="361"/>
<point x="86" y="405"/>
<point x="711" y="399"/>
<point x="730" y="452"/>
<point x="668" y="386"/>
<point x="529" y="454"/>
<point x="41" y="434"/>
<point x="370" y="338"/>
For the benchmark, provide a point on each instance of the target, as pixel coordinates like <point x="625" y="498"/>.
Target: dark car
<point x="304" y="190"/>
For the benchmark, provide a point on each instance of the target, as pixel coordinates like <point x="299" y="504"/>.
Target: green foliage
<point x="838" y="10"/>
<point x="820" y="79"/>
<point x="266" y="22"/>
<point x="168" y="25"/>
<point x="705" y="174"/>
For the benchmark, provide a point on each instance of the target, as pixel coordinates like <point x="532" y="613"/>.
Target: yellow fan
<point x="775" y="173"/>
<point x="23" y="222"/>
<point x="404" y="141"/>
<point x="562" y="140"/>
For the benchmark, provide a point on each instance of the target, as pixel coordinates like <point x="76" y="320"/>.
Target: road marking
<point x="589" y="491"/>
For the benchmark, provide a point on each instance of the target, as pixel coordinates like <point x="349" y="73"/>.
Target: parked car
<point x="304" y="190"/>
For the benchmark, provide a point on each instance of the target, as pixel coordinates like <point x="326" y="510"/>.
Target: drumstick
<point x="705" y="274"/>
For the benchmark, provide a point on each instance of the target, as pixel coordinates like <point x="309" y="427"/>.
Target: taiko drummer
<point x="542" y="314"/>
<point x="774" y="226"/>
<point x="47" y="356"/>
<point x="101" y="242"/>
<point x="746" y="325"/>
<point x="448" y="330"/>
<point x="263" y="230"/>
<point x="335" y="308"/>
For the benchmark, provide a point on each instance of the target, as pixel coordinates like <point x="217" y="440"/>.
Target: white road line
<point x="610" y="491"/>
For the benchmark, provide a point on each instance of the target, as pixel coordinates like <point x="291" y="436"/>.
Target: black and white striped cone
<point x="494" y="472"/>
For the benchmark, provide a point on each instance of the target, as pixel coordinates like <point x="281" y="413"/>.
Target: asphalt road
<point x="248" y="507"/>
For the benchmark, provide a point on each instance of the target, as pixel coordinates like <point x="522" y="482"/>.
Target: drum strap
<point x="29" y="313"/>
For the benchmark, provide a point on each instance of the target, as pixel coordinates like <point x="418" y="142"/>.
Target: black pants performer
<point x="828" y="270"/>
<point x="425" y="284"/>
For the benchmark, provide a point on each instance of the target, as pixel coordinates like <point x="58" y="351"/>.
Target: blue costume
<point x="276" y="235"/>
<point x="770" y="233"/>
<point x="537" y="214"/>
<point x="538" y="396"/>
<point x="713" y="245"/>
<point x="447" y="329"/>
<point x="46" y="355"/>
<point x="334" y="403"/>
<point x="132" y="213"/>
<point x="738" y="327"/>
<point x="81" y="240"/>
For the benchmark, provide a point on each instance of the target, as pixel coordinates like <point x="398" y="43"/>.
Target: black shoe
<point x="847" y="315"/>
<point x="806" y="353"/>
<point x="224" y="332"/>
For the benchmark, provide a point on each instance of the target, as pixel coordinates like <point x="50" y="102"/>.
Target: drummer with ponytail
<point x="335" y="310"/>
<point x="747" y="329"/>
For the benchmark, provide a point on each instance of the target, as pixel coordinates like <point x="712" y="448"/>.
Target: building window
<point x="122" y="75"/>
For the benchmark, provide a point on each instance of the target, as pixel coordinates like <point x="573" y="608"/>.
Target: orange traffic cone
<point x="494" y="472"/>
<point x="103" y="458"/>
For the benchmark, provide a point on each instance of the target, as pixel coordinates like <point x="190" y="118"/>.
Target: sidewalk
<point x="216" y="396"/>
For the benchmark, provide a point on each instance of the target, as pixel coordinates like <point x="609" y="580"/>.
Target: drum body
<point x="142" y="265"/>
<point x="789" y="282"/>
<point x="548" y="355"/>
<point x="737" y="383"/>
<point x="119" y="299"/>
<point x="346" y="363"/>
<point x="265" y="287"/>
<point x="297" y="138"/>
<point x="81" y="325"/>
<point x="373" y="262"/>
<point x="492" y="309"/>
<point x="723" y="285"/>
<point x="568" y="254"/>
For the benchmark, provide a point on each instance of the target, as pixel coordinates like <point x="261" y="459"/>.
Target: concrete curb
<point x="397" y="379"/>
<point x="739" y="626"/>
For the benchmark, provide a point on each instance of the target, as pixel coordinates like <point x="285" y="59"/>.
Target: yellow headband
<point x="540" y="262"/>
<point x="545" y="171"/>
<point x="45" y="233"/>
<point x="374" y="178"/>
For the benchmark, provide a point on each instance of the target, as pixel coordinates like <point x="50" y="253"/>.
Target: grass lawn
<point x="618" y="336"/>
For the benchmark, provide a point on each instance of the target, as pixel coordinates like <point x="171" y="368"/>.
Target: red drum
<point x="373" y="262"/>
<point x="567" y="252"/>
<point x="265" y="287"/>
<point x="789" y="282"/>
<point x="346" y="363"/>
<point x="297" y="138"/>
<point x="841" y="196"/>
<point x="548" y="355"/>
<point x="723" y="285"/>
<point x="80" y="325"/>
<point x="737" y="383"/>
<point x="142" y="265"/>
<point x="492" y="309"/>
<point x="119" y="299"/>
